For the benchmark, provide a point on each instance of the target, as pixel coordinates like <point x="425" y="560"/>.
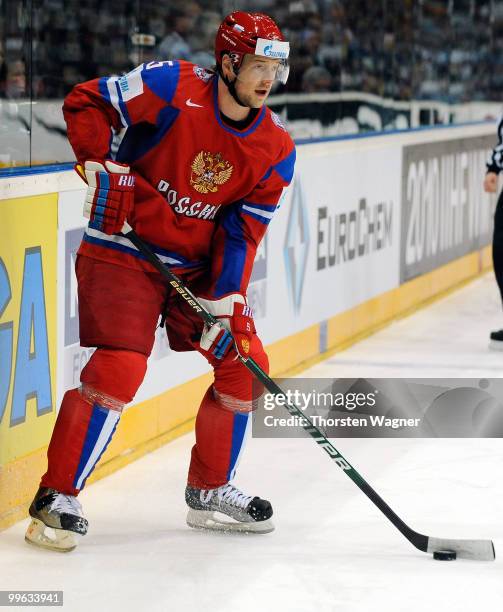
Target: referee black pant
<point x="498" y="244"/>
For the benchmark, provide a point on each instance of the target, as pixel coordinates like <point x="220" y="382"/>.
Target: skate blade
<point x="211" y="521"/>
<point x="63" y="541"/>
<point x="496" y="345"/>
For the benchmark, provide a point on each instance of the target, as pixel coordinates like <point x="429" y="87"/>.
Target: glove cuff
<point x="223" y="307"/>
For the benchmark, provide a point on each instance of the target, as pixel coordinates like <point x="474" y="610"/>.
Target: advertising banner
<point x="445" y="212"/>
<point x="28" y="237"/>
<point x="334" y="241"/>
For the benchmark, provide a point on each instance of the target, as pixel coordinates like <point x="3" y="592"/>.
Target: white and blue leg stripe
<point x="99" y="433"/>
<point x="240" y="432"/>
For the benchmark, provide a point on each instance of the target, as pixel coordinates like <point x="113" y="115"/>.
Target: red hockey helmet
<point x="254" y="33"/>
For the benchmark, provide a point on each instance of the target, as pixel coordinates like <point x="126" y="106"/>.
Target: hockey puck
<point x="445" y="555"/>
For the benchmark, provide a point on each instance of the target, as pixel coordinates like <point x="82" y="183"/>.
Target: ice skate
<point x="60" y="513"/>
<point x="227" y="509"/>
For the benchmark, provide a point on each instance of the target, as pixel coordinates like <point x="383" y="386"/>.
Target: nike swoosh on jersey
<point x="189" y="103"/>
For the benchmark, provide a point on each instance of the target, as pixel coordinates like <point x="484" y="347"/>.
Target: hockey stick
<point x="480" y="550"/>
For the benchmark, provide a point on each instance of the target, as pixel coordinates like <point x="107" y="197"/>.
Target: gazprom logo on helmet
<point x="269" y="52"/>
<point x="276" y="49"/>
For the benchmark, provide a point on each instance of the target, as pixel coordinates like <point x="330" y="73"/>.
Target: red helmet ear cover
<point x="238" y="35"/>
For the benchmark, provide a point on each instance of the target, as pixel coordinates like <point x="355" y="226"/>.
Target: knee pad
<point x="235" y="387"/>
<point x="114" y="373"/>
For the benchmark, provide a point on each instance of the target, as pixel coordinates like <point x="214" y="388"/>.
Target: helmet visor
<point x="259" y="69"/>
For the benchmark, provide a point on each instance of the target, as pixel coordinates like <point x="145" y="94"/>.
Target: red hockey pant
<point x="119" y="310"/>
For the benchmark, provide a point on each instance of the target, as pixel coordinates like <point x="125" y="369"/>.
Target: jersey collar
<point x="227" y="128"/>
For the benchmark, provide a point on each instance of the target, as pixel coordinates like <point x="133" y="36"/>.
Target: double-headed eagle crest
<point x="208" y="171"/>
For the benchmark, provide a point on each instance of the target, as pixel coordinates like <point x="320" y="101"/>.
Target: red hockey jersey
<point x="205" y="192"/>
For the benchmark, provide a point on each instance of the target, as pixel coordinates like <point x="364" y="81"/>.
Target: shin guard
<point x="220" y="437"/>
<point x="88" y="417"/>
<point x="81" y="435"/>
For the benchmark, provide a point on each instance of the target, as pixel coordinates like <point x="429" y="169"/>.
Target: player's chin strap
<point x="231" y="86"/>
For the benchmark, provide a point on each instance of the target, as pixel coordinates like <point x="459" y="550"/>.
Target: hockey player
<point x="197" y="164"/>
<point x="494" y="167"/>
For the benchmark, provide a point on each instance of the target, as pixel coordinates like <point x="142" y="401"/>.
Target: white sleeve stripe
<point x="258" y="211"/>
<point x="114" y="238"/>
<point x="114" y="98"/>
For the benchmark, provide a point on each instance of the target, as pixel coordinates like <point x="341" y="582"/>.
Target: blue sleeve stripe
<point x="285" y="167"/>
<point x="266" y="207"/>
<point x="103" y="89"/>
<point x="234" y="258"/>
<point x="260" y="218"/>
<point x="260" y="214"/>
<point x="162" y="79"/>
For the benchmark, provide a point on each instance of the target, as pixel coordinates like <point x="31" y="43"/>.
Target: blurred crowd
<point x="445" y="50"/>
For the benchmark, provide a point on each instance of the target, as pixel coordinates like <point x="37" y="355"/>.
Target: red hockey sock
<point x="220" y="437"/>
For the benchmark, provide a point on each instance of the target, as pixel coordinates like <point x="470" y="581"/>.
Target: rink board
<point x="364" y="235"/>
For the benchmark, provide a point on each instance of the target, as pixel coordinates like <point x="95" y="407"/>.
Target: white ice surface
<point x="448" y="339"/>
<point x="332" y="549"/>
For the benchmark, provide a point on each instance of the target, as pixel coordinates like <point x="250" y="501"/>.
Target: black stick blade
<point x="476" y="550"/>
